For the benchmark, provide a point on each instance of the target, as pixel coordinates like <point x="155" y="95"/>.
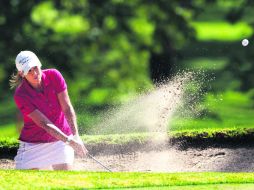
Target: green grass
<point x="203" y="63"/>
<point x="199" y="187"/>
<point x="8" y="130"/>
<point x="228" y="110"/>
<point x="116" y="141"/>
<point x="14" y="179"/>
<point x="222" y="31"/>
<point x="8" y="110"/>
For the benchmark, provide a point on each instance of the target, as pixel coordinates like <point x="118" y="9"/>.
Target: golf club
<point x="76" y="137"/>
<point x="89" y="155"/>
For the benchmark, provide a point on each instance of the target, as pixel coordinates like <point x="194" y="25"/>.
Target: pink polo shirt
<point x="28" y="99"/>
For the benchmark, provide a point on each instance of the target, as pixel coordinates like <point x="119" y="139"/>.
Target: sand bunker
<point x="168" y="160"/>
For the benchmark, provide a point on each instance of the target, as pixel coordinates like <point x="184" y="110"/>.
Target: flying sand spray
<point x="148" y="112"/>
<point x="151" y="112"/>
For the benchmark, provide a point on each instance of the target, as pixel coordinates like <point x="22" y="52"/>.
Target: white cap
<point x="25" y="60"/>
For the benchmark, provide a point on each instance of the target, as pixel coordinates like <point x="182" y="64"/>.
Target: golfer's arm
<point x="42" y="121"/>
<point x="68" y="110"/>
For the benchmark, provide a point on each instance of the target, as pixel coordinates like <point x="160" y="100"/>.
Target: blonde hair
<point x="15" y="80"/>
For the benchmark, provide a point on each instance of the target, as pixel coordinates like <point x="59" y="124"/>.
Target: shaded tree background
<point x="109" y="50"/>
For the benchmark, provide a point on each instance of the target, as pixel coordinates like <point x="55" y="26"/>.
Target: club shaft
<point x="98" y="162"/>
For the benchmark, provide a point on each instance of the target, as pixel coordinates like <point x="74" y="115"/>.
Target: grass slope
<point x="11" y="179"/>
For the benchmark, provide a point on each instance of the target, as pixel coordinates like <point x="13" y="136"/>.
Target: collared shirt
<point x="28" y="99"/>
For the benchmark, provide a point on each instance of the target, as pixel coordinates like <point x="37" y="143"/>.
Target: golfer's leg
<point x="62" y="167"/>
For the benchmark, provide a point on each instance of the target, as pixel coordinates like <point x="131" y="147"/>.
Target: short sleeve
<point x="24" y="105"/>
<point x="58" y="81"/>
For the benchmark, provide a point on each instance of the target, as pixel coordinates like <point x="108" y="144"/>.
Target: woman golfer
<point x="47" y="137"/>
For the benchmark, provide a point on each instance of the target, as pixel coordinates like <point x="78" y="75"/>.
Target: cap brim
<point x="29" y="66"/>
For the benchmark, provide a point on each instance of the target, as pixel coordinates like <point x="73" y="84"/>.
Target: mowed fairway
<point x="14" y="179"/>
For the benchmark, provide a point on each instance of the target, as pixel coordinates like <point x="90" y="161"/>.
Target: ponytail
<point x="15" y="80"/>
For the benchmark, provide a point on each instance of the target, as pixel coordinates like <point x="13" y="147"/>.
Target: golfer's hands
<point x="77" y="144"/>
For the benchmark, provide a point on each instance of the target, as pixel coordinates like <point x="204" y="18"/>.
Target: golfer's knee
<point x="62" y="167"/>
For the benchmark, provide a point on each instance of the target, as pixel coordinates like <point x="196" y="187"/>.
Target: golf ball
<point x="245" y="42"/>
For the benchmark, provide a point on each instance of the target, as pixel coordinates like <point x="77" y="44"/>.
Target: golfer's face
<point x="34" y="75"/>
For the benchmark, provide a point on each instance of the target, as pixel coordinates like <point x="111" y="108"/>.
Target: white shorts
<point x="43" y="155"/>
